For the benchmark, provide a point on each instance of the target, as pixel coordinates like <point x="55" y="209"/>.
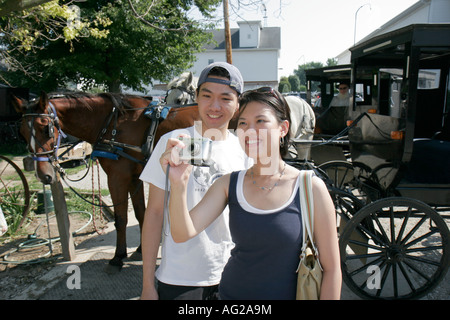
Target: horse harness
<point x="102" y="147"/>
<point x="49" y="155"/>
<point x="112" y="149"/>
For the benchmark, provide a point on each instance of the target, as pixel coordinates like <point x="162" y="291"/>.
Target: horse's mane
<point x="119" y="100"/>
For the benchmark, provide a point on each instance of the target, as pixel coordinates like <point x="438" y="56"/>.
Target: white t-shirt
<point x="200" y="260"/>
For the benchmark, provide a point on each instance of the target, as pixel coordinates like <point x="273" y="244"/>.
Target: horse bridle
<point x="49" y="155"/>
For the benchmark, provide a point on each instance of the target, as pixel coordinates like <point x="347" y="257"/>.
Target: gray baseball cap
<point x="236" y="82"/>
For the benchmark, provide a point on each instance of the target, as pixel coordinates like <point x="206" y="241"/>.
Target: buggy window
<point x="428" y="79"/>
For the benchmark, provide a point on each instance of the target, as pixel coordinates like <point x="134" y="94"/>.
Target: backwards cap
<point x="236" y="82"/>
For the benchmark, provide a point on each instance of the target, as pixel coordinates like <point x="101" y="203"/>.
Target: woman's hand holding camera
<point x="179" y="171"/>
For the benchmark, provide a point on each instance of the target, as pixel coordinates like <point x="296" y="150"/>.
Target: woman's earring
<point x="282" y="141"/>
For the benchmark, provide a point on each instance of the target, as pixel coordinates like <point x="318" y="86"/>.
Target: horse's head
<point x="40" y="128"/>
<point x="182" y="90"/>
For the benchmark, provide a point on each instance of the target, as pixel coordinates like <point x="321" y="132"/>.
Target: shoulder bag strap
<point x="307" y="207"/>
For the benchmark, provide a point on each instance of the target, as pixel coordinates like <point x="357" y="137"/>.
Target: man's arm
<point x="151" y="238"/>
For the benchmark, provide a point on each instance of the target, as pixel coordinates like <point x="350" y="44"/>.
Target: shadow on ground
<point x="88" y="281"/>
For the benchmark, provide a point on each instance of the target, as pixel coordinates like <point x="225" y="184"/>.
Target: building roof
<point x="389" y="25"/>
<point x="394" y="21"/>
<point x="270" y="38"/>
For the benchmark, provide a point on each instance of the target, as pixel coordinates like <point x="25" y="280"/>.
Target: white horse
<point x="182" y="91"/>
<point x="303" y="122"/>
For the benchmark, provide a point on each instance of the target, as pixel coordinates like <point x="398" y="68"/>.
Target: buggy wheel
<point x="346" y="206"/>
<point x="402" y="254"/>
<point x="346" y="176"/>
<point x="14" y="193"/>
<point x="339" y="172"/>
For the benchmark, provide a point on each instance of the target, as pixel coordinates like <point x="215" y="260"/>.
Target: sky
<point x="315" y="30"/>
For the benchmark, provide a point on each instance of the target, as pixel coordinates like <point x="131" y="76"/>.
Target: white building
<point x="423" y="11"/>
<point x="255" y="52"/>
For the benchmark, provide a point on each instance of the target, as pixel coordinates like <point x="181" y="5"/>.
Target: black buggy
<point x="397" y="246"/>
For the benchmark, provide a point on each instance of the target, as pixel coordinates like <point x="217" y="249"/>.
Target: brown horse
<point x="104" y="120"/>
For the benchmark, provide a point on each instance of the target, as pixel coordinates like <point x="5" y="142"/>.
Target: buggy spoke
<point x="383" y="279"/>
<point x="343" y="178"/>
<point x="416" y="227"/>
<point x="391" y="217"/>
<point x="420" y="273"/>
<point x="374" y="236"/>
<point x="364" y="267"/>
<point x="6" y="186"/>
<point x="430" y="262"/>
<point x="423" y="237"/>
<point x="403" y="227"/>
<point x="395" y="279"/>
<point x="366" y="245"/>
<point x="363" y="256"/>
<point x="425" y="249"/>
<point x="381" y="228"/>
<point x="407" y="278"/>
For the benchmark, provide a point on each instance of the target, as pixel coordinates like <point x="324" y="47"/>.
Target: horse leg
<point x="138" y="200"/>
<point x="119" y="197"/>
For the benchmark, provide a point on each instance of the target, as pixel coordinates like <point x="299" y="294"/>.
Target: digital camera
<point x="197" y="150"/>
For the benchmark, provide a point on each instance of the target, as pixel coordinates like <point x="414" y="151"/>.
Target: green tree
<point x="8" y="6"/>
<point x="332" y="62"/>
<point x="300" y="71"/>
<point x="24" y="32"/>
<point x="147" y="39"/>
<point x="301" y="74"/>
<point x="294" y="81"/>
<point x="284" y="85"/>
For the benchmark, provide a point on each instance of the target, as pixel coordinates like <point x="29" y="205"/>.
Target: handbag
<point x="309" y="271"/>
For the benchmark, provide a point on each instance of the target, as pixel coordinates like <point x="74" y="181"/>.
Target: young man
<point x="192" y="270"/>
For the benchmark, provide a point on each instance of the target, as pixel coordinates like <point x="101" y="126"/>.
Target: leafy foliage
<point x="25" y="32"/>
<point x="130" y="42"/>
<point x="300" y="71"/>
<point x="284" y="85"/>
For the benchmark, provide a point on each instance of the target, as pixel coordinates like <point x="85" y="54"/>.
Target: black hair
<point x="274" y="100"/>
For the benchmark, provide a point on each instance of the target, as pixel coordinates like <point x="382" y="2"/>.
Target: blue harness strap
<point x="104" y="154"/>
<point x="156" y="111"/>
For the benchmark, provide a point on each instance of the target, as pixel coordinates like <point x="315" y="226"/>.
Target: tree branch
<point x="142" y="19"/>
<point x="9" y="6"/>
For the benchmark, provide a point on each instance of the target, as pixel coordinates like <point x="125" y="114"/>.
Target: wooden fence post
<point x="62" y="217"/>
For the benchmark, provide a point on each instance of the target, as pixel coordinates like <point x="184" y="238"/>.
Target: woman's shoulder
<point x="317" y="184"/>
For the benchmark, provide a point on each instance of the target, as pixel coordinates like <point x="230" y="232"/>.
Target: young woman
<point x="264" y="208"/>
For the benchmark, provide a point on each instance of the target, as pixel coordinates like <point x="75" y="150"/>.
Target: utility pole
<point x="227" y="32"/>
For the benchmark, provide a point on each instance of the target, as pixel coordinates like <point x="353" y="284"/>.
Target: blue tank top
<point x="265" y="258"/>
